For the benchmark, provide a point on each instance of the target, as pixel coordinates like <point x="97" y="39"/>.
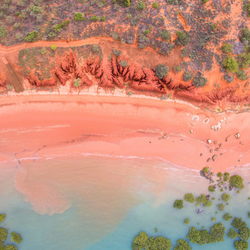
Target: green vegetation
<point x="142" y="241"/>
<point x="187" y="75"/>
<point x="213" y="219"/>
<point x="225" y="197"/>
<point x="182" y="38"/>
<point x="230" y="64"/>
<point x="241" y="245"/>
<point x="155" y="5"/>
<point x="211" y="188"/>
<point x="161" y="71"/>
<point x="189" y="198"/>
<point x="247" y="8"/>
<point x="227" y="217"/>
<point x="213" y="26"/>
<point x="31" y="36"/>
<point x="226" y="176"/>
<point x="103" y="18"/>
<point x="2" y="217"/>
<point x="165" y="35"/>
<point x="15" y="237"/>
<point x="141" y="5"/>
<point x="79" y="17"/>
<point x="77" y="82"/>
<point x="217" y="233"/>
<point x="3" y="234"/>
<point x="228" y="48"/>
<point x="117" y="52"/>
<point x="241" y="75"/>
<point x="236" y="181"/>
<point x="202" y="199"/>
<point x="178" y="204"/>
<point x="204" y="1"/>
<point x="53" y="47"/>
<point x="181" y="245"/>
<point x="147" y="31"/>
<point x="238" y="223"/>
<point x="248" y="214"/>
<point x="124" y="3"/>
<point x="199" y="81"/>
<point x="205" y="170"/>
<point x="186" y="221"/>
<point x="221" y="207"/>
<point x="219" y="175"/>
<point x="94" y="18"/>
<point x="232" y="234"/>
<point x="3" y="31"/>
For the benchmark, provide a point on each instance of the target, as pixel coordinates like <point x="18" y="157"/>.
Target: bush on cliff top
<point x="230" y="64"/>
<point x="161" y="71"/>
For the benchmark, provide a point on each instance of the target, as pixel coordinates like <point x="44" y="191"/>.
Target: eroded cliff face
<point x="82" y="67"/>
<point x="123" y="73"/>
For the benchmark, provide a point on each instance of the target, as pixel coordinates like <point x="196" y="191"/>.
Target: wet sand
<point x="46" y="126"/>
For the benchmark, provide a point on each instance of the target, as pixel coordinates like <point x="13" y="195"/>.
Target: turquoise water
<point x="96" y="203"/>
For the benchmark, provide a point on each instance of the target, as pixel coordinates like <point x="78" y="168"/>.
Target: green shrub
<point x="213" y="26"/>
<point x="199" y="81"/>
<point x="142" y="241"/>
<point x="124" y="3"/>
<point x="232" y="234"/>
<point x="161" y="71"/>
<point x="227" y="217"/>
<point x="155" y="5"/>
<point x="240" y="245"/>
<point x="94" y="18"/>
<point x="228" y="48"/>
<point x="247" y="8"/>
<point x="213" y="219"/>
<point x="178" y="204"/>
<point x="2" y="217"/>
<point x="3" y="31"/>
<point x="77" y="82"/>
<point x="221" y="206"/>
<point x="141" y="5"/>
<point x="230" y="64"/>
<point x="181" y="245"/>
<point x="202" y="199"/>
<point x="103" y="18"/>
<point x="79" y="17"/>
<point x="205" y="170"/>
<point x="248" y="214"/>
<point x="241" y="75"/>
<point x="245" y="35"/>
<point x="217" y="233"/>
<point x="147" y="32"/>
<point x="211" y="188"/>
<point x="244" y="60"/>
<point x="226" y="176"/>
<point x="165" y="35"/>
<point x="225" y="197"/>
<point x="204" y="1"/>
<point x="219" y="175"/>
<point x="238" y="223"/>
<point x="187" y="75"/>
<point x="186" y="221"/>
<point x="182" y="38"/>
<point x="189" y="198"/>
<point x="194" y="235"/>
<point x="3" y="234"/>
<point x="15" y="237"/>
<point x="244" y="233"/>
<point x="31" y="36"/>
<point x="236" y="181"/>
<point x="53" y="47"/>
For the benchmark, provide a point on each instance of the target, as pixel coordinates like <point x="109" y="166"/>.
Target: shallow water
<point x="97" y="202"/>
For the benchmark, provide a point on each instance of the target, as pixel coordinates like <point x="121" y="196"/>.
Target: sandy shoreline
<point x="45" y="126"/>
